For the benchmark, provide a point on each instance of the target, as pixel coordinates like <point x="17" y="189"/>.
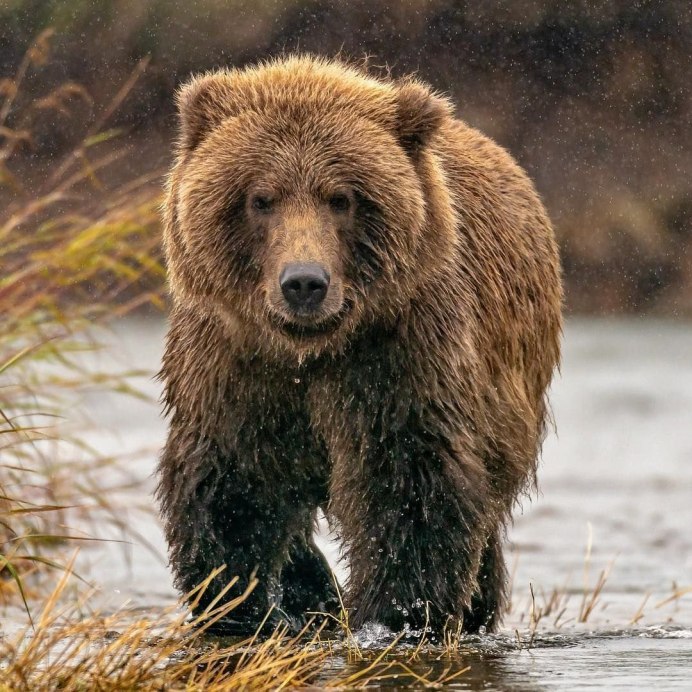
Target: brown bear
<point x="366" y="316"/>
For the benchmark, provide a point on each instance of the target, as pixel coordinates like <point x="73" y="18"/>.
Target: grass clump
<point x="170" y="651"/>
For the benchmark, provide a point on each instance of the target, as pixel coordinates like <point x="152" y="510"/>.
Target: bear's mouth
<point x="309" y="330"/>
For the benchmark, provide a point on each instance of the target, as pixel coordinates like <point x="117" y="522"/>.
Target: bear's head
<point x="306" y="200"/>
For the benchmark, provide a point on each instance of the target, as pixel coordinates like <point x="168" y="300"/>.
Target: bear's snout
<point x="304" y="285"/>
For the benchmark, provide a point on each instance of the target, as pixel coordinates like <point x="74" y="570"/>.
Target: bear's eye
<point x="262" y="203"/>
<point x="339" y="202"/>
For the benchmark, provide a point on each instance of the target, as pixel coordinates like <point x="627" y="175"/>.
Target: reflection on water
<point x="625" y="660"/>
<point x="617" y="476"/>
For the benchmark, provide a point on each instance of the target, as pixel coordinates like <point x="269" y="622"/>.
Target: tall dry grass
<point x="74" y="254"/>
<point x="68" y="651"/>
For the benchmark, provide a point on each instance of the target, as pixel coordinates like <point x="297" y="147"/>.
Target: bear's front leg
<point x="238" y="505"/>
<point x="414" y="527"/>
<point x="415" y="511"/>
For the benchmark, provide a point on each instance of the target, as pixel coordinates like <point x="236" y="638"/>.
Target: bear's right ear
<point x="203" y="103"/>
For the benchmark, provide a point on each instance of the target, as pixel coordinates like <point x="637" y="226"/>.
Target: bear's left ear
<point x="420" y="113"/>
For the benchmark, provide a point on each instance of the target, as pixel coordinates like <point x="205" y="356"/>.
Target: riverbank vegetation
<point x="75" y="253"/>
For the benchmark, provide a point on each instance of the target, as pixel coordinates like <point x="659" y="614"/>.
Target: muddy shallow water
<point x="615" y="498"/>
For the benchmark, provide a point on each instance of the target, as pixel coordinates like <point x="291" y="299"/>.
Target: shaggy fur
<point x="411" y="406"/>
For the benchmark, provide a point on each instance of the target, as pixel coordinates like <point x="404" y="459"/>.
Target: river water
<point x="615" y="500"/>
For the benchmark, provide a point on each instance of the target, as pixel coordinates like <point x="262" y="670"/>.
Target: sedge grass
<point x="74" y="253"/>
<point x="67" y="651"/>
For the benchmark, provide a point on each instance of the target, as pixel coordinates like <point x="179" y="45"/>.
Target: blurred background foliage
<point x="592" y="96"/>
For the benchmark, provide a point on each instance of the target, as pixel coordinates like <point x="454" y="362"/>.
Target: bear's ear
<point x="203" y="103"/>
<point x="420" y="113"/>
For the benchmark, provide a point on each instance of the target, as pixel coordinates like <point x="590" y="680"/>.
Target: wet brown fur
<point x="415" y="420"/>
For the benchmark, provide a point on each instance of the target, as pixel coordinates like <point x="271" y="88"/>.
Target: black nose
<point x="304" y="285"/>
